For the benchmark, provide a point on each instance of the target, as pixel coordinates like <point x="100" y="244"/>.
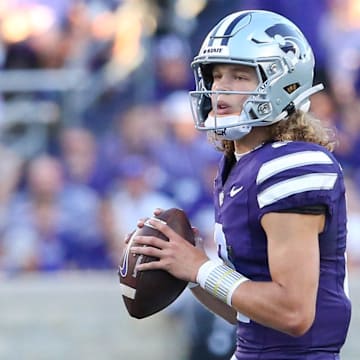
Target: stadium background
<point x="95" y="131"/>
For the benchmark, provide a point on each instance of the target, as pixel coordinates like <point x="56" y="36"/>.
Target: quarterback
<point x="279" y="196"/>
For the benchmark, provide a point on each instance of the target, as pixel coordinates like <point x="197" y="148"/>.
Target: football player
<point x="280" y="212"/>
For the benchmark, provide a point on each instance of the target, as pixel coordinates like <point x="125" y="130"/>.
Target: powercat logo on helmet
<point x="290" y="39"/>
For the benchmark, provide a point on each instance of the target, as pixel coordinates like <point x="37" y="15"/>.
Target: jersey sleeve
<point x="297" y="179"/>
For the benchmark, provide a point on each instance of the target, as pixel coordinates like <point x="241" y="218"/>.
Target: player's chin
<point x="224" y="113"/>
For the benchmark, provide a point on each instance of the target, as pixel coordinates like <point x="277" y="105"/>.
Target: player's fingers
<point x="128" y="237"/>
<point x="161" y="226"/>
<point x="158" y="211"/>
<point x="152" y="265"/>
<point x="149" y="241"/>
<point x="146" y="250"/>
<point x="141" y="222"/>
<point x="199" y="242"/>
<point x="195" y="231"/>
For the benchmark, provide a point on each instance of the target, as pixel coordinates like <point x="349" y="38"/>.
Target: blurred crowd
<point x="96" y="129"/>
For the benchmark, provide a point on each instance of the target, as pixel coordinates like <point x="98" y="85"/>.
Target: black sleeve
<point x="309" y="210"/>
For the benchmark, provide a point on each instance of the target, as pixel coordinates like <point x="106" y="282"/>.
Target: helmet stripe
<point x="217" y="35"/>
<point x="231" y="27"/>
<point x="213" y="34"/>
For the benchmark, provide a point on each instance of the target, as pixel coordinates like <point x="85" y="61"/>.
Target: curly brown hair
<point x="299" y="126"/>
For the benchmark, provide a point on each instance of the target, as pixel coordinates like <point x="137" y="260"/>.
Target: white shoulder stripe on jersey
<point x="321" y="181"/>
<point x="291" y="161"/>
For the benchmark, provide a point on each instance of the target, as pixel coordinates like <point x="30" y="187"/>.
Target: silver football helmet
<point x="284" y="63"/>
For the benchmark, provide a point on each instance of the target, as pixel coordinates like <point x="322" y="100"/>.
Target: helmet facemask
<point x="256" y="109"/>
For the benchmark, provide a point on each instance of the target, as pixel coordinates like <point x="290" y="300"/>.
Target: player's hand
<point x="176" y="256"/>
<point x="128" y="236"/>
<point x="199" y="241"/>
<point x="141" y="222"/>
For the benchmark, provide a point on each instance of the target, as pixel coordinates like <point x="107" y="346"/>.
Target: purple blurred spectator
<point x="81" y="161"/>
<point x="348" y="151"/>
<point x="353" y="224"/>
<point x="138" y="130"/>
<point x="184" y="153"/>
<point x="172" y="57"/>
<point x="340" y="39"/>
<point x="52" y="224"/>
<point x="134" y="195"/>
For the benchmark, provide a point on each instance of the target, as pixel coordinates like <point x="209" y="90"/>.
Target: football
<point x="148" y="292"/>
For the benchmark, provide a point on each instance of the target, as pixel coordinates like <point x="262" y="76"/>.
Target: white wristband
<point x="204" y="272"/>
<point x="219" y="280"/>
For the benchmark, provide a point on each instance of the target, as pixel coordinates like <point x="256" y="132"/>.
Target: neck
<point x="256" y="137"/>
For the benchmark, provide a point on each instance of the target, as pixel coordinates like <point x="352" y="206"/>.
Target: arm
<point x="215" y="305"/>
<point x="287" y="303"/>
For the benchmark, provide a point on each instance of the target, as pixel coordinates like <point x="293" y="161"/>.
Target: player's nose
<point x="222" y="85"/>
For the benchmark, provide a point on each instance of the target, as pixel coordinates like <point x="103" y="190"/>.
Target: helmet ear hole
<point x="206" y="74"/>
<point x="205" y="107"/>
<point x="252" y="114"/>
<point x="262" y="74"/>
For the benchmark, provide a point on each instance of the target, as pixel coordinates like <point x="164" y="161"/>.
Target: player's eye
<point x="239" y="77"/>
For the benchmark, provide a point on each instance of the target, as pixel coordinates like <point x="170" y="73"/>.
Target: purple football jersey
<point x="276" y="177"/>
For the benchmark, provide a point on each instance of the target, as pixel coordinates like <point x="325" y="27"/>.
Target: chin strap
<point x="295" y="104"/>
<point x="223" y="128"/>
